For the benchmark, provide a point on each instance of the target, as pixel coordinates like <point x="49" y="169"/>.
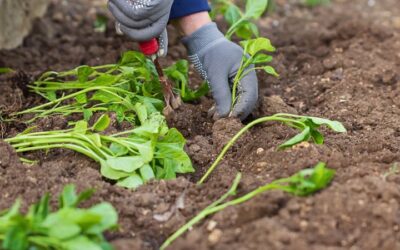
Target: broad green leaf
<point x="81" y="127"/>
<point x="176" y="156"/>
<point x="141" y="112"/>
<point x="254" y="46"/>
<point x="262" y="58"/>
<point x="109" y="218"/>
<point x="232" y="14"/>
<point x="83" y="73"/>
<point x="169" y="169"/>
<point x="126" y="164"/>
<point x="255" y="8"/>
<point x="303" y="136"/>
<point x="80" y="243"/>
<point x="105" y="97"/>
<point x="334" y="125"/>
<point x="270" y="70"/>
<point x="130" y="57"/>
<point x="147" y="173"/>
<point x="111" y="173"/>
<point x="146" y="150"/>
<point x="105" y="80"/>
<point x="102" y="123"/>
<point x="118" y="149"/>
<point x="174" y="136"/>
<point x="96" y="139"/>
<point x="68" y="196"/>
<point x="132" y="182"/>
<point x="243" y="31"/>
<point x="81" y="98"/>
<point x="87" y="114"/>
<point x="64" y="229"/>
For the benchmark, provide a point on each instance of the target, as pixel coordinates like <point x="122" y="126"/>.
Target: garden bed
<point x="340" y="61"/>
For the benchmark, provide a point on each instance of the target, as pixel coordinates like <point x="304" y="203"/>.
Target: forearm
<point x="189" y="24"/>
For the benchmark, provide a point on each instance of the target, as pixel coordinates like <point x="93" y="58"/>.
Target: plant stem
<point x="238" y="135"/>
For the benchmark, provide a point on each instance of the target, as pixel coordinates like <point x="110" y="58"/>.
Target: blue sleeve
<point x="181" y="8"/>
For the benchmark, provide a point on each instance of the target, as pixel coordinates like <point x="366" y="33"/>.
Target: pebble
<point x="215" y="236"/>
<point x="211" y="225"/>
<point x="260" y="151"/>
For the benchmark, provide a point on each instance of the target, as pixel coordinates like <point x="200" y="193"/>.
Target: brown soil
<point x="340" y="62"/>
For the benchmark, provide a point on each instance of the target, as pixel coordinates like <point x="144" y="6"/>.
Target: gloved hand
<point x="217" y="60"/>
<point x="143" y="20"/>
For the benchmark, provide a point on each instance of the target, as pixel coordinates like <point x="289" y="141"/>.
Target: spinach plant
<point x="67" y="228"/>
<point x="304" y="183"/>
<point x="307" y="125"/>
<point x="240" y="22"/>
<point x="255" y="53"/>
<point x="131" y="158"/>
<point x="113" y="87"/>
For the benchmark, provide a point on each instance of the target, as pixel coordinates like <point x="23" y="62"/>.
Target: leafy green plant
<point x="114" y="87"/>
<point x="304" y="183"/>
<point x="100" y="24"/>
<point x="307" y="125"/>
<point x="240" y="22"/>
<point x="131" y="158"/>
<point x="254" y="53"/>
<point x="68" y="228"/>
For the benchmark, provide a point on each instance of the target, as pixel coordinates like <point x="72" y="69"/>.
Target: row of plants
<point x="150" y="150"/>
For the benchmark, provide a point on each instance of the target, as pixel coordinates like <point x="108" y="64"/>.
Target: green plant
<point x="114" y="87"/>
<point x="254" y="53"/>
<point x="100" y="24"/>
<point x="303" y="183"/>
<point x="240" y="22"/>
<point x="306" y="124"/>
<point x="130" y="158"/>
<point x="68" y="228"/>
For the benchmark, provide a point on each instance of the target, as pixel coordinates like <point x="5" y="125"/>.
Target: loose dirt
<point x="340" y="61"/>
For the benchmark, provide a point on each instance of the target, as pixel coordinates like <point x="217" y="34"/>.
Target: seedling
<point x="254" y="54"/>
<point x="68" y="228"/>
<point x="304" y="183"/>
<point x="131" y="158"/>
<point x="240" y="22"/>
<point x="113" y="87"/>
<point x="306" y="124"/>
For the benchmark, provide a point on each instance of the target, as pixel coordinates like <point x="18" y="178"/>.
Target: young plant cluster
<point x="68" y="228"/>
<point x="131" y="158"/>
<point x="114" y="88"/>
<point x="241" y="22"/>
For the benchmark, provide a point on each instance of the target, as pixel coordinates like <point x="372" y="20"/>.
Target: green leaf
<point x="100" y="24"/>
<point x="130" y="57"/>
<point x="303" y="136"/>
<point x="87" y="114"/>
<point x="147" y="173"/>
<point x="118" y="149"/>
<point x="81" y="98"/>
<point x="69" y="197"/>
<point x="255" y="8"/>
<point x="105" y="97"/>
<point x="81" y="127"/>
<point x="270" y="70"/>
<point x="63" y="229"/>
<point x="317" y="137"/>
<point x="80" y="243"/>
<point x="232" y="14"/>
<point x="84" y="72"/>
<point x="254" y="46"/>
<point x="111" y="173"/>
<point x="50" y="95"/>
<point x="109" y="218"/>
<point x="105" y="80"/>
<point x="16" y="238"/>
<point x="132" y="182"/>
<point x="102" y="123"/>
<point x="126" y="164"/>
<point x="334" y="125"/>
<point x="176" y="155"/>
<point x="262" y="58"/>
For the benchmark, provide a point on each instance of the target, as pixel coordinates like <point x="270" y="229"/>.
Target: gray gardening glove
<point x="143" y="20"/>
<point x="217" y="60"/>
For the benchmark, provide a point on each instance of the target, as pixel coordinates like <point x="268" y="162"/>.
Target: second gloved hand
<point x="143" y="20"/>
<point x="218" y="60"/>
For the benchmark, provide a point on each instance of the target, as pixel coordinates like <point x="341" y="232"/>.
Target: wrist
<point x="191" y="23"/>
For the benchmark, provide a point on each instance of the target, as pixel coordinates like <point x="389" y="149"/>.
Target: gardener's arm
<point x="215" y="58"/>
